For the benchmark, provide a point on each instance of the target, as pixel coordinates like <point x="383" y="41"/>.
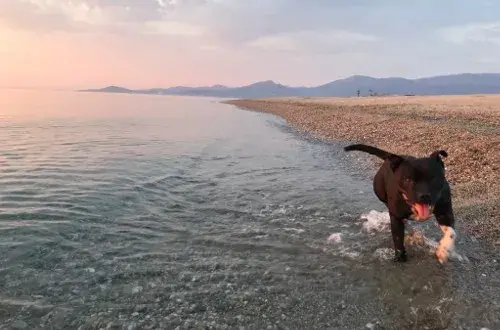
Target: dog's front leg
<point x="398" y="235"/>
<point x="446" y="220"/>
<point x="446" y="244"/>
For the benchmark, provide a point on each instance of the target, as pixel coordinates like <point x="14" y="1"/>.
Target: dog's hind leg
<point x="398" y="235"/>
<point x="379" y="187"/>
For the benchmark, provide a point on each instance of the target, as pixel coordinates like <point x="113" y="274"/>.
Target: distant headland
<point x="456" y="84"/>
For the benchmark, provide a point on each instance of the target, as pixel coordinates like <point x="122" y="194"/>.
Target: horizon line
<point x="69" y="88"/>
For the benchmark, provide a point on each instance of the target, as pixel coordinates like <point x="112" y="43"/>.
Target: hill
<point x="457" y="84"/>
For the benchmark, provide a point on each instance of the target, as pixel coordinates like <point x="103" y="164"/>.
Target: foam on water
<point x="348" y="253"/>
<point x="376" y="221"/>
<point x="294" y="230"/>
<point x="383" y="254"/>
<point x="335" y="238"/>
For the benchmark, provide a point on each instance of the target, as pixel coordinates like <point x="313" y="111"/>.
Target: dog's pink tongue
<point x="422" y="210"/>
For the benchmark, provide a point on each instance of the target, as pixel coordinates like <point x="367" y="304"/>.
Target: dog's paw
<point x="446" y="245"/>
<point x="442" y="254"/>
<point x="400" y="256"/>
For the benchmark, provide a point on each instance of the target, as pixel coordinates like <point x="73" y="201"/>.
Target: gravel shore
<point x="467" y="127"/>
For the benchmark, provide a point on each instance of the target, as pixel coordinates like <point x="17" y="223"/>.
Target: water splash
<point x="376" y="221"/>
<point x="335" y="238"/>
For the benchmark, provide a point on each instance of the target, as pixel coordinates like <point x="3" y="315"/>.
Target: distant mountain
<point x="111" y="89"/>
<point x="465" y="83"/>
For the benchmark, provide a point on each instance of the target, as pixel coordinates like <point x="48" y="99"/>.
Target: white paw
<point x="442" y="254"/>
<point x="446" y="244"/>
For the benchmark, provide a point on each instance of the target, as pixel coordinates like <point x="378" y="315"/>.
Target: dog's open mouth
<point x="421" y="211"/>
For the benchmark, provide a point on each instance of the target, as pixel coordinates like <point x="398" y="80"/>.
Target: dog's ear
<point x="438" y="153"/>
<point x="437" y="156"/>
<point x="395" y="161"/>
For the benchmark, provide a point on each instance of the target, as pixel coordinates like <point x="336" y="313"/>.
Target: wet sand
<point x="467" y="127"/>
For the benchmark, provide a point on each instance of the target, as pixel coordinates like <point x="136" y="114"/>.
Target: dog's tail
<point x="369" y="149"/>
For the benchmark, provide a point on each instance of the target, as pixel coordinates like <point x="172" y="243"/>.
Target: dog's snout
<point x="425" y="198"/>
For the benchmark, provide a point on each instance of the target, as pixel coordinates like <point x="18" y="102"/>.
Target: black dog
<point x="414" y="188"/>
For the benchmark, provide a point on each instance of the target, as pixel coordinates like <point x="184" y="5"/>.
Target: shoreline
<point x="467" y="127"/>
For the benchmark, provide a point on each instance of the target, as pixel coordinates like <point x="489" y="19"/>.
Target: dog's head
<point x="420" y="181"/>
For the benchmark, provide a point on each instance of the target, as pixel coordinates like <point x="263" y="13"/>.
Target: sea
<point x="121" y="211"/>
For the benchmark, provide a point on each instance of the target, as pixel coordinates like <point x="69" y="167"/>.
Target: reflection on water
<point x="137" y="212"/>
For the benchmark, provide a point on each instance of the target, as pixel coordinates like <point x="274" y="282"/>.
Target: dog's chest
<point x="399" y="208"/>
<point x="415" y="217"/>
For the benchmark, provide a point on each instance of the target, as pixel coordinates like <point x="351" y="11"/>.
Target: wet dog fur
<point x="413" y="188"/>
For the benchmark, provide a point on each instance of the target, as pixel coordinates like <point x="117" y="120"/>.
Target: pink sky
<point x="59" y="59"/>
<point x="160" y="43"/>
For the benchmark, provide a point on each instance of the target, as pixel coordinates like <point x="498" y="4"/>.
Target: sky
<point x="162" y="43"/>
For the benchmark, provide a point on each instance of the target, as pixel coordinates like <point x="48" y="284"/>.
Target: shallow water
<point x="147" y="212"/>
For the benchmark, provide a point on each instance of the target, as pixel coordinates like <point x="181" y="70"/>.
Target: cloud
<point x="485" y="32"/>
<point x="314" y="41"/>
<point x="239" y="22"/>
<point x="51" y="15"/>
<point x="94" y="16"/>
<point x="291" y="26"/>
<point x="172" y="28"/>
